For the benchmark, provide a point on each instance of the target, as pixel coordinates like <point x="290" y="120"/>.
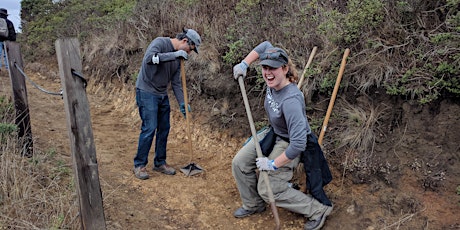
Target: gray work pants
<point x="253" y="190"/>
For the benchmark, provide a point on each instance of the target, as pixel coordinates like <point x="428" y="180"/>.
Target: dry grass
<point x="363" y="128"/>
<point x="363" y="124"/>
<point x="36" y="192"/>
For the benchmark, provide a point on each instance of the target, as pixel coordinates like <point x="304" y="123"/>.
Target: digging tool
<point x="264" y="174"/>
<point x="192" y="168"/>
<point x="310" y="59"/>
<point x="334" y="95"/>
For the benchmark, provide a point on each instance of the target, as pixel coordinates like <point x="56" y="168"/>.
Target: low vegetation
<point x="410" y="48"/>
<point x="36" y="192"/>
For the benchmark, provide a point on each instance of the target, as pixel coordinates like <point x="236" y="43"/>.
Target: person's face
<point x="185" y="46"/>
<point x="275" y="77"/>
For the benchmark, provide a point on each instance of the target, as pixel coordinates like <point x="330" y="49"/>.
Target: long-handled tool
<point x="192" y="168"/>
<point x="310" y="59"/>
<point x="264" y="174"/>
<point x="334" y="95"/>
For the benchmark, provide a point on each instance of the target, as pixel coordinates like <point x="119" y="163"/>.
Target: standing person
<point x="160" y="67"/>
<point x="7" y="33"/>
<point x="285" y="108"/>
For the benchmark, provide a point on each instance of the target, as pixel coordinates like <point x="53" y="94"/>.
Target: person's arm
<point x="176" y="84"/>
<point x="251" y="57"/>
<point x="255" y="53"/>
<point x="241" y="68"/>
<point x="155" y="56"/>
<point x="281" y="160"/>
<point x="169" y="56"/>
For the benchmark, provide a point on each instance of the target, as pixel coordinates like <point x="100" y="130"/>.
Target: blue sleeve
<point x="296" y="124"/>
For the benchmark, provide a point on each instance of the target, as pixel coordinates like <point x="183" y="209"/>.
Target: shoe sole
<point x="252" y="213"/>
<point x="163" y="171"/>
<point x="142" y="178"/>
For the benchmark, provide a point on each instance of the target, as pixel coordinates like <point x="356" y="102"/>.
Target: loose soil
<point x="418" y="191"/>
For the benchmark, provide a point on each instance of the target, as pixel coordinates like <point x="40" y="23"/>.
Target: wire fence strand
<point x="35" y="85"/>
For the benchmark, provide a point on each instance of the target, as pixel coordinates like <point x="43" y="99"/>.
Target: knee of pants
<point x="262" y="189"/>
<point x="148" y="131"/>
<point x="245" y="159"/>
<point x="238" y="163"/>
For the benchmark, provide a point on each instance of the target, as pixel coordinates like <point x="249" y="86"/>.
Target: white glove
<point x="240" y="70"/>
<point x="181" y="54"/>
<point x="266" y="164"/>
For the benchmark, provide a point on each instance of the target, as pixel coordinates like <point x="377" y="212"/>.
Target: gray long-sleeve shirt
<point x="155" y="78"/>
<point x="286" y="113"/>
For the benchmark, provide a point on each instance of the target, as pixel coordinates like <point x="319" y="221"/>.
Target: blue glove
<point x="240" y="70"/>
<point x="181" y="54"/>
<point x="266" y="164"/>
<point x="182" y="109"/>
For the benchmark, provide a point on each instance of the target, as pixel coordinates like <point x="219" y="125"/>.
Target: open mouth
<point x="270" y="78"/>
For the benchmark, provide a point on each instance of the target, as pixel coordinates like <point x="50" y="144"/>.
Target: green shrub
<point x="363" y="16"/>
<point x="235" y="53"/>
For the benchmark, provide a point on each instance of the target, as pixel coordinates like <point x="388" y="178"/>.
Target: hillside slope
<point x="414" y="189"/>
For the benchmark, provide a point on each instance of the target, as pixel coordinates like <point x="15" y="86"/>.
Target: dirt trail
<point x="207" y="200"/>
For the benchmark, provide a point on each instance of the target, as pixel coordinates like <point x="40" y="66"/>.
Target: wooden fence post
<point x="80" y="134"/>
<point x="18" y="84"/>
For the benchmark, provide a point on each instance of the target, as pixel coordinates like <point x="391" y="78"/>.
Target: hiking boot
<point x="318" y="223"/>
<point x="166" y="169"/>
<point x="242" y="212"/>
<point x="141" y="173"/>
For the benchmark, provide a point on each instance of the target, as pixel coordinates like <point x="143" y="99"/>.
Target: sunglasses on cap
<point x="277" y="56"/>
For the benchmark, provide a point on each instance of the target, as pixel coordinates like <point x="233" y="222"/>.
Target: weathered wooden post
<point x="80" y="134"/>
<point x="18" y="84"/>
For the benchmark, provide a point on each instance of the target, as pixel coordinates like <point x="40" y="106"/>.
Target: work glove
<point x="266" y="164"/>
<point x="181" y="54"/>
<point x="240" y="70"/>
<point x="182" y="109"/>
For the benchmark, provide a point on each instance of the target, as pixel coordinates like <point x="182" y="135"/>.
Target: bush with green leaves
<point x="410" y="48"/>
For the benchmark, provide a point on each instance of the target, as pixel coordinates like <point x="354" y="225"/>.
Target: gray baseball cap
<point x="194" y="37"/>
<point x="274" y="57"/>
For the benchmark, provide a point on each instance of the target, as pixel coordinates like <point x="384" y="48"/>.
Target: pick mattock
<point x="264" y="174"/>
<point x="192" y="168"/>
<point x="334" y="95"/>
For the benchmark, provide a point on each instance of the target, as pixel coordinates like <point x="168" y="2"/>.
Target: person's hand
<point x="181" y="54"/>
<point x="240" y="70"/>
<point x="182" y="109"/>
<point x="266" y="164"/>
